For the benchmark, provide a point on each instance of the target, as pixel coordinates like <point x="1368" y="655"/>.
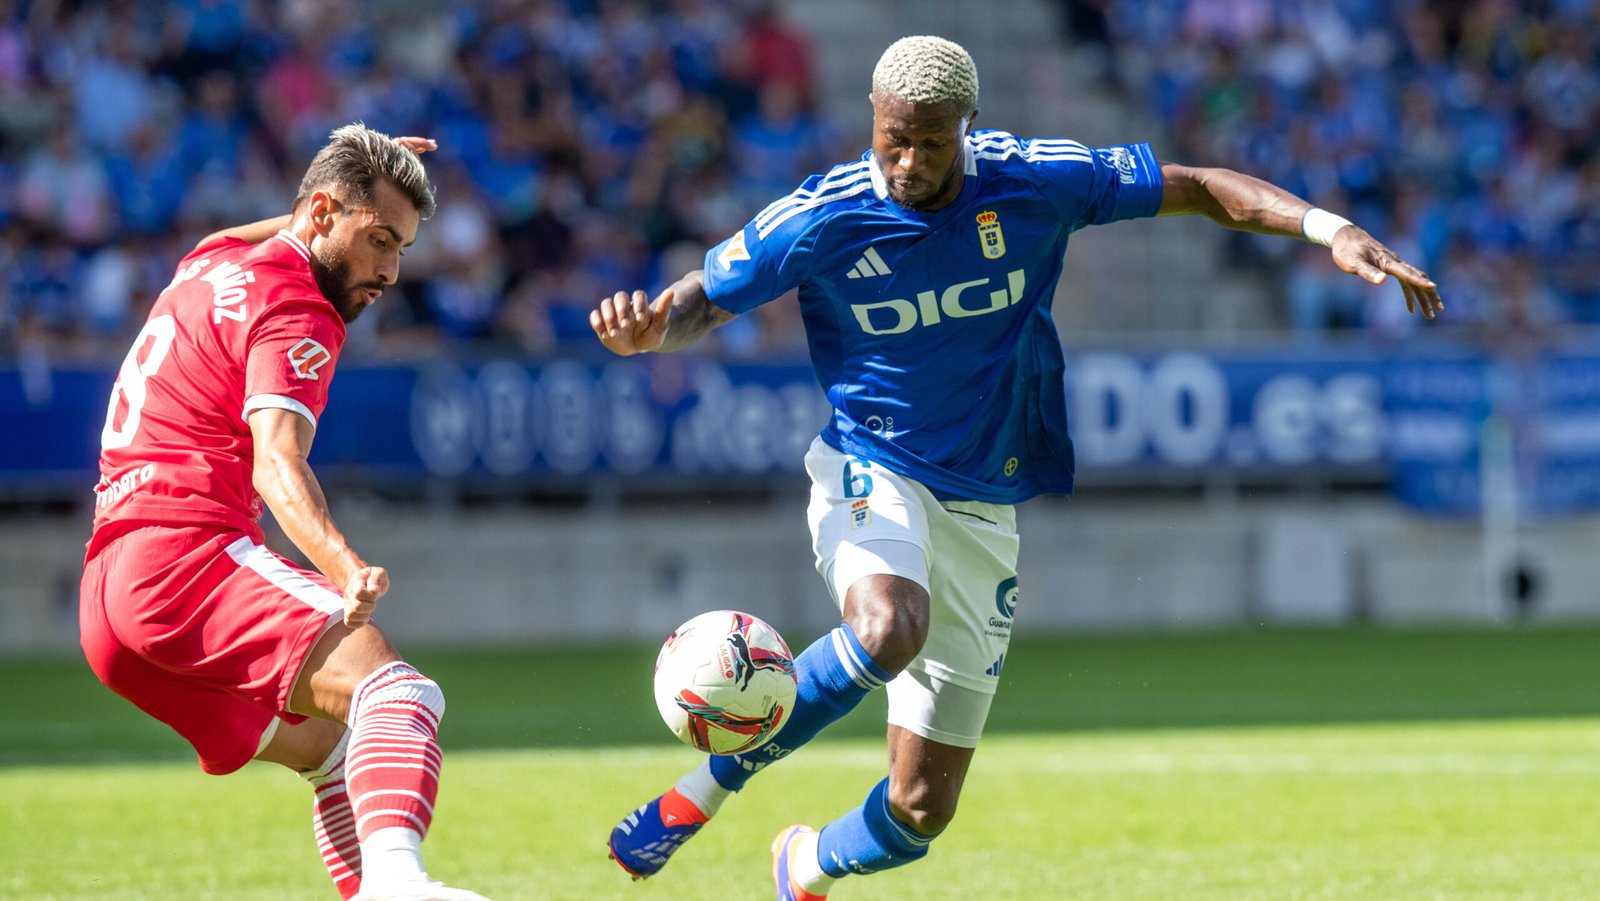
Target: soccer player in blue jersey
<point x="925" y="273"/>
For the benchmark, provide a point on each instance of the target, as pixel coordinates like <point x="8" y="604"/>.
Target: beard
<point x="939" y="195"/>
<point x="332" y="272"/>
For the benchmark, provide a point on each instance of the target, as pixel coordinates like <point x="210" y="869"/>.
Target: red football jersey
<point x="241" y="327"/>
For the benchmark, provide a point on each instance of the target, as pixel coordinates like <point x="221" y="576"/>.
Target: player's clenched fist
<point x="361" y="594"/>
<point x="630" y="324"/>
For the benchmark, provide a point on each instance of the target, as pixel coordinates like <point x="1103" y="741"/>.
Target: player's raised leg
<point x="390" y="763"/>
<point x="886" y="620"/>
<point x="876" y="567"/>
<point x="894" y="826"/>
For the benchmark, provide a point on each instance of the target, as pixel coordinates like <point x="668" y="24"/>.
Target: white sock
<point x="806" y="870"/>
<point x="699" y="786"/>
<point x="391" y="856"/>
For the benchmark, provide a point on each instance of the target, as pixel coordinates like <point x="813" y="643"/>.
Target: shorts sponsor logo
<point x="860" y="514"/>
<point x="1011" y="467"/>
<point x="1005" y="598"/>
<point x="307" y="357"/>
<point x="1005" y="603"/>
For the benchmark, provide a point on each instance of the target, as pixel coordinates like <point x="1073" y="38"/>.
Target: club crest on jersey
<point x="860" y="514"/>
<point x="734" y="252"/>
<point x="990" y="237"/>
<point x="307" y="357"/>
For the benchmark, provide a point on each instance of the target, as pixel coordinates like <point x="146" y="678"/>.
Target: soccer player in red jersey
<point x="183" y="611"/>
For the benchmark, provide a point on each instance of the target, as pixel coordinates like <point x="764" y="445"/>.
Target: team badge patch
<point x="990" y="236"/>
<point x="307" y="357"/>
<point x="734" y="252"/>
<point x="860" y="514"/>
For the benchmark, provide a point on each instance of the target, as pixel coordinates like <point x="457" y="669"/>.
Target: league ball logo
<point x="307" y="357"/>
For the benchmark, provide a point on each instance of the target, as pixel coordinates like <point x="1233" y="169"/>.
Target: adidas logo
<point x="870" y="265"/>
<point x="995" y="669"/>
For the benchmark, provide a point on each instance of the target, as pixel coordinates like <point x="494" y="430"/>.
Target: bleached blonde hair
<point x="927" y="69"/>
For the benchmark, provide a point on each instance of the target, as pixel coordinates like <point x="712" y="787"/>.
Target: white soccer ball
<point x="725" y="682"/>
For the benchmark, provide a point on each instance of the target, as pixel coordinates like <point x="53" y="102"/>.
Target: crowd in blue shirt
<point x="584" y="144"/>
<point x="1465" y="134"/>
<point x="591" y="144"/>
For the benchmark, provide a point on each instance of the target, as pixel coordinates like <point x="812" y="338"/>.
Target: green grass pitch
<point x="1270" y="764"/>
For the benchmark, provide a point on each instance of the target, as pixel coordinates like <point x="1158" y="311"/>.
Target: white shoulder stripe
<point x="1033" y="154"/>
<point x="1002" y="146"/>
<point x="835" y="180"/>
<point x="276" y="402"/>
<point x="859" y="186"/>
<point x="1031" y="157"/>
<point x="1033" y="147"/>
<point x="832" y="184"/>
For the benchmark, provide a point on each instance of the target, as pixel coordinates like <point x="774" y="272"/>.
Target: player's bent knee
<point x="926" y="811"/>
<point x="890" y="617"/>
<point x="340" y="660"/>
<point x="397" y="683"/>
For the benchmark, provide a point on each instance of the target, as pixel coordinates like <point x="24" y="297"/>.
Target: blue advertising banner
<point x="1139" y="415"/>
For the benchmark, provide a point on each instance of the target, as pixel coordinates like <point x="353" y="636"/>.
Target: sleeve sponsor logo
<point x="1125" y="163"/>
<point x="733" y="252"/>
<point x="307" y="357"/>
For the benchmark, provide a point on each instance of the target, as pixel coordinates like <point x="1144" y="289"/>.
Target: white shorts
<point x="866" y="520"/>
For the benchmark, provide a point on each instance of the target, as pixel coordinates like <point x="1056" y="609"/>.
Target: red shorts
<point x="203" y="630"/>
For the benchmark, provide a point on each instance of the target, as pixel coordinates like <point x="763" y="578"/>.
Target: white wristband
<point x="1319" y="226"/>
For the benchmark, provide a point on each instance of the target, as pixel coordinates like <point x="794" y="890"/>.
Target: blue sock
<point x="869" y="839"/>
<point x="831" y="676"/>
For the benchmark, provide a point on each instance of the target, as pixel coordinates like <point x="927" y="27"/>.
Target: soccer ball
<point x="725" y="682"/>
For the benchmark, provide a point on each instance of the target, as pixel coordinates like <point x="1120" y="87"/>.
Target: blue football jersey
<point x="931" y="331"/>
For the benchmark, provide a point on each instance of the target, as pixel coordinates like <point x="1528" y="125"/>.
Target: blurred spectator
<point x="775" y="148"/>
<point x="578" y="141"/>
<point x="775" y="53"/>
<point x="148" y="180"/>
<point x="113" y="93"/>
<point x="64" y="190"/>
<point x="581" y="140"/>
<point x="1464" y="133"/>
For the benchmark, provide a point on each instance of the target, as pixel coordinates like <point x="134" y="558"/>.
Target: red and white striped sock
<point x="392" y="769"/>
<point x="334" y="822"/>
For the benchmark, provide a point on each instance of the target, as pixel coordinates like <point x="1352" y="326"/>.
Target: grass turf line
<point x="1453" y="810"/>
<point x="1118" y="767"/>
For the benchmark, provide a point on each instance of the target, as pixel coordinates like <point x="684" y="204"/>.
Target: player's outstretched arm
<point x="629" y="324"/>
<point x="1246" y="203"/>
<point x="285" y="481"/>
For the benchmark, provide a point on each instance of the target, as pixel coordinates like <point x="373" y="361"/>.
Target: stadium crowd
<point x="590" y="143"/>
<point x="583" y="144"/>
<point x="1464" y="133"/>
